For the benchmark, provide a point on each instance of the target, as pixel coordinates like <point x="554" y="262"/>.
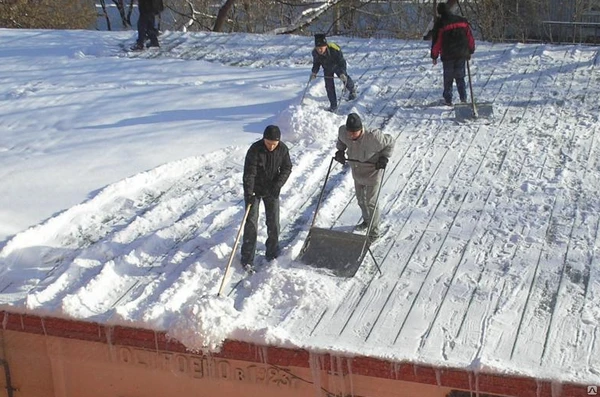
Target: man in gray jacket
<point x="368" y="153"/>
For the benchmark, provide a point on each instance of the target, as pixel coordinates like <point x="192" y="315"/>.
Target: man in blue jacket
<point x="267" y="168"/>
<point x="330" y="57"/>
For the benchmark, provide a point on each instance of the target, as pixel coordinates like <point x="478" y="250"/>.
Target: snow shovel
<point x="340" y="252"/>
<point x="326" y="77"/>
<point x="305" y="89"/>
<point x="465" y="111"/>
<point x="237" y="240"/>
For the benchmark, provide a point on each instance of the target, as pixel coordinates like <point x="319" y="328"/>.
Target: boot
<point x="137" y="47"/>
<point x="363" y="226"/>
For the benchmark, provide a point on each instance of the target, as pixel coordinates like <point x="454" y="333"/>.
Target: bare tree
<point x="47" y="14"/>
<point x="222" y="15"/>
<point x="124" y="11"/>
<point x="105" y="14"/>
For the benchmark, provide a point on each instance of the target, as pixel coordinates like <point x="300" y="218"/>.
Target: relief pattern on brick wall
<point x="204" y="367"/>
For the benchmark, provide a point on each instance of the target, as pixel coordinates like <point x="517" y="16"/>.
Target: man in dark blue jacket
<point x="453" y="40"/>
<point x="330" y="57"/>
<point x="266" y="169"/>
<point x="148" y="10"/>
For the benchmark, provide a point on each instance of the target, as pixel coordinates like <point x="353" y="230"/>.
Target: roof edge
<point x="457" y="378"/>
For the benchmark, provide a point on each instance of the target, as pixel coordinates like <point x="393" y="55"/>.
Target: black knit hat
<point x="353" y="123"/>
<point x="272" y="133"/>
<point x="320" y="40"/>
<point x="442" y="8"/>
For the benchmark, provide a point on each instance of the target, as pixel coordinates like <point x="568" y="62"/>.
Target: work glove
<point x="381" y="163"/>
<point x="313" y="76"/>
<point x="344" y="78"/>
<point x="250" y="199"/>
<point x="340" y="157"/>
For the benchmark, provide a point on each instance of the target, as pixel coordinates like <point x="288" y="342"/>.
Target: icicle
<point x="260" y="353"/>
<point x="264" y="355"/>
<point x="43" y="326"/>
<point x="349" y="365"/>
<point x="538" y="388"/>
<point x="395" y="370"/>
<point x="340" y="375"/>
<point x="332" y="373"/>
<point x="556" y="388"/>
<point x="315" y="369"/>
<point x="108" y="331"/>
<point x="470" y="381"/>
<point x="156" y="341"/>
<point x="438" y="376"/>
<point x="5" y="321"/>
<point x="210" y="365"/>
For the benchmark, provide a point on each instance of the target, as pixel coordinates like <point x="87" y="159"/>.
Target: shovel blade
<point x="340" y="252"/>
<point x="464" y="111"/>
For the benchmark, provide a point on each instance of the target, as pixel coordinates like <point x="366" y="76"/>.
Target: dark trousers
<point x="330" y="87"/>
<point x="146" y="29"/>
<point x="454" y="70"/>
<point x="251" y="227"/>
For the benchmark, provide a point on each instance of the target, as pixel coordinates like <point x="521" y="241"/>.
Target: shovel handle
<point x="322" y="191"/>
<point x="362" y="252"/>
<point x="475" y="113"/>
<point x="305" y="89"/>
<point x="237" y="240"/>
<point x="358" y="161"/>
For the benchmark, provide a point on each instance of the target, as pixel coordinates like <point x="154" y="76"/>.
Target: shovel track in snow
<point x="355" y="296"/>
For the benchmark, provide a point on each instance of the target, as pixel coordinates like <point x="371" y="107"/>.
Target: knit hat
<point x="353" y="123"/>
<point x="442" y="8"/>
<point x="320" y="40"/>
<point x="272" y="133"/>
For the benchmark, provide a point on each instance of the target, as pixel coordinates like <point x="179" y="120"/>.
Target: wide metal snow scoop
<point x="336" y="250"/>
<point x="341" y="252"/>
<point x="465" y="111"/>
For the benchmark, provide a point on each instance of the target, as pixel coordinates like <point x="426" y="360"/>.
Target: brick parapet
<point x="457" y="378"/>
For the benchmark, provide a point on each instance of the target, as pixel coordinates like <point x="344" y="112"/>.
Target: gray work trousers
<point x="367" y="201"/>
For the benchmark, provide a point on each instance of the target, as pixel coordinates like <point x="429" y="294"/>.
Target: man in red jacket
<point x="453" y="40"/>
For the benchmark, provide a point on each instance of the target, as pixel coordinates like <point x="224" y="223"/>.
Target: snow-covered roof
<point x="122" y="197"/>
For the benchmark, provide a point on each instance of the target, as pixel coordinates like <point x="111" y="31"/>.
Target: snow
<point x="121" y="197"/>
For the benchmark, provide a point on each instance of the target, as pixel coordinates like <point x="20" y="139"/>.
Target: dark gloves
<point x="312" y="76"/>
<point x="250" y="199"/>
<point x="381" y="163"/>
<point x="340" y="157"/>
